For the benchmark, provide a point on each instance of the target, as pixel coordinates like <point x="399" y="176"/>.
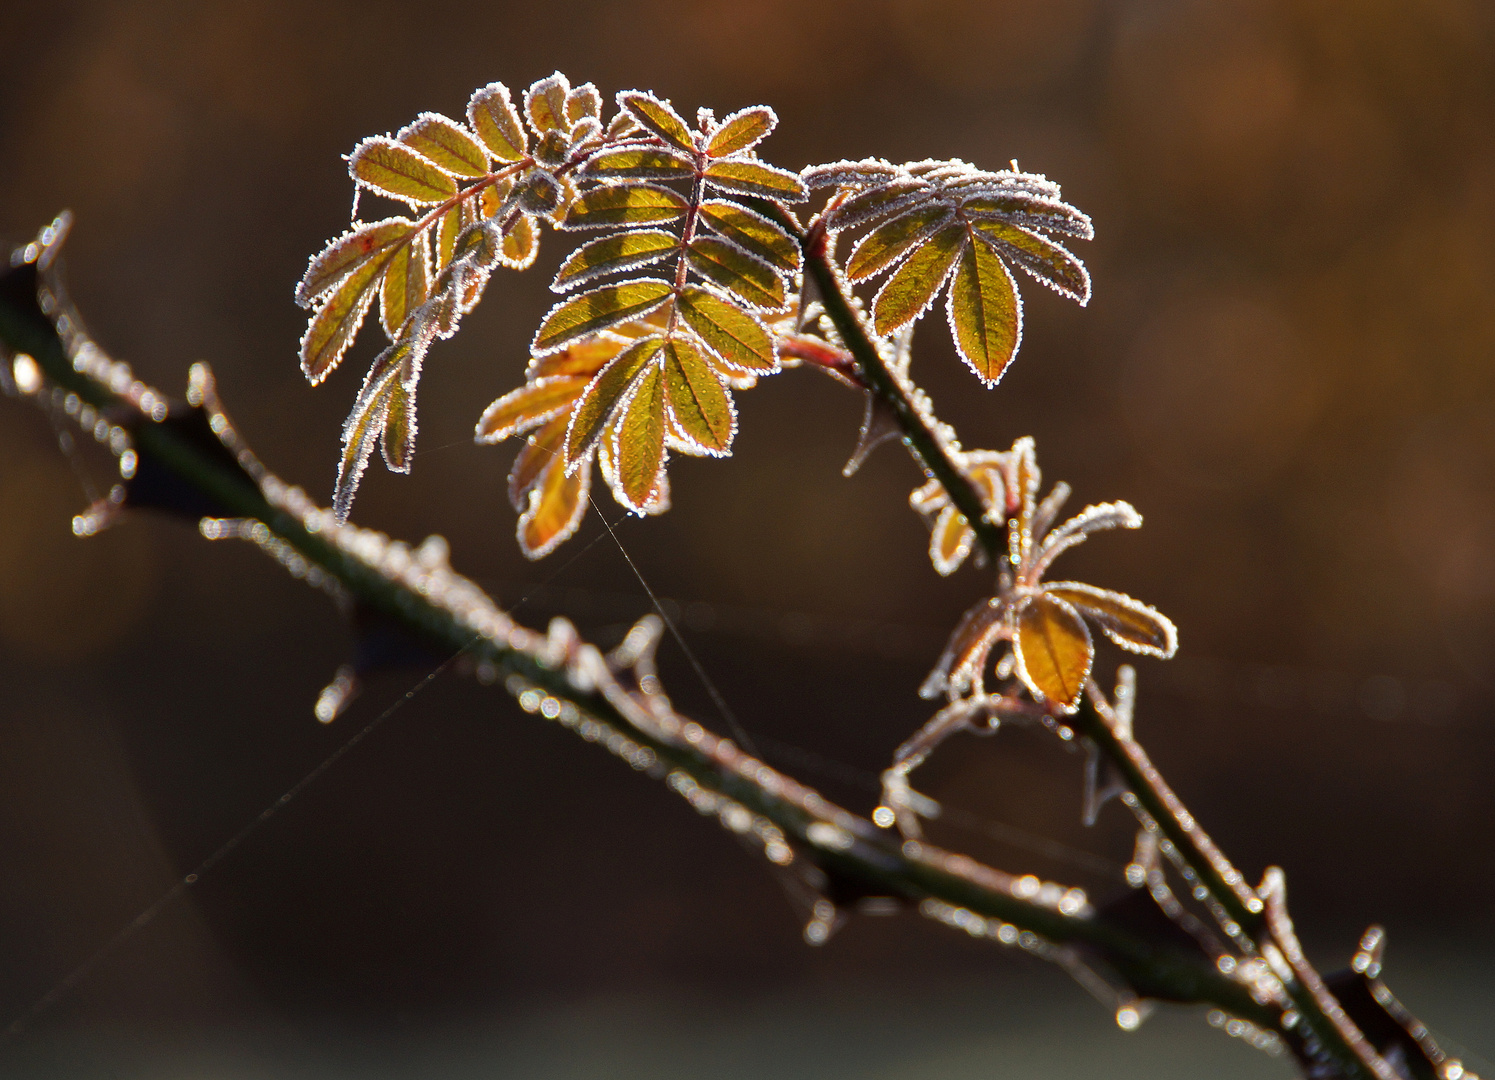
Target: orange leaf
<point x="1053" y="650"/>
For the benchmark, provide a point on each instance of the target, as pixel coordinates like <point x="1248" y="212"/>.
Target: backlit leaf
<point x="493" y="116"/>
<point x="1053" y="650"/>
<point x="950" y="541"/>
<point x="520" y="244"/>
<point x="602" y="396"/>
<point x="407" y="282"/>
<point x="543" y="449"/>
<point x="742" y="130"/>
<point x="849" y="173"/>
<point x="877" y="204"/>
<point x="966" y="652"/>
<point x="659" y="117"/>
<point x="447" y="228"/>
<point x="366" y="423"/>
<point x="700" y="404"/>
<point x="887" y="243"/>
<point x="738" y="338"/>
<point x="545" y="104"/>
<point x="394" y="169"/>
<point x="1130" y="623"/>
<point x="1046" y="261"/>
<point x="336" y="322"/>
<point x="556" y="506"/>
<point x="621" y="251"/>
<point x="446" y="143"/>
<point x="1033" y="213"/>
<point x="349" y="251"/>
<point x="638" y="162"/>
<point x="579" y="358"/>
<point x="582" y="102"/>
<point x="745" y="276"/>
<point x="754" y="233"/>
<point x="908" y="293"/>
<point x="755" y="178"/>
<point x="530" y="406"/>
<point x="597" y="310"/>
<point x="639" y="443"/>
<point x="625" y="204"/>
<point x="986" y="314"/>
<point x="398" y="437"/>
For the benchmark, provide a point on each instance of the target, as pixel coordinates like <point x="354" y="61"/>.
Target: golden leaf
<point x="1045" y="260"/>
<point x="1053" y="650"/>
<point x="446" y="143"/>
<point x="887" y="243"/>
<point x="541" y="450"/>
<point x="394" y="169"/>
<point x="365" y="424"/>
<point x="1130" y="623"/>
<point x="985" y="313"/>
<point x="602" y="396"/>
<point x="398" y="436"/>
<point x="625" y="204"/>
<point x="742" y="130"/>
<point x="699" y="403"/>
<point x="908" y="293"/>
<point x="734" y="335"/>
<point x="556" y="505"/>
<point x="493" y="116"/>
<point x="598" y="309"/>
<point x="638" y="162"/>
<point x="753" y="233"/>
<point x="530" y="406"/>
<point x="639" y="443"/>
<point x="348" y="252"/>
<point x="659" y="117"/>
<point x="950" y="541"/>
<point x="755" y="178"/>
<point x="582" y="102"/>
<point x="335" y="325"/>
<point x="585" y="357"/>
<point x="748" y="278"/>
<point x="621" y="251"/>
<point x="407" y="282"/>
<point x="545" y="103"/>
<point x="521" y="244"/>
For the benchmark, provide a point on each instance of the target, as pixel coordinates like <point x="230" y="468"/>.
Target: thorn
<point x="879" y="424"/>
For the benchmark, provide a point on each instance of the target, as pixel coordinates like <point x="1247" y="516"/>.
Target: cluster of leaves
<point x="1043" y="622"/>
<point x="658" y="191"/>
<point x="933" y="222"/>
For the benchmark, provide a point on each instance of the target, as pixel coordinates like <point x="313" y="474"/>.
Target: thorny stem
<point x="841" y="855"/>
<point x="1239" y="908"/>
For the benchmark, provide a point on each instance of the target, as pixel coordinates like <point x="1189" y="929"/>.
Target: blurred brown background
<point x="1288" y="366"/>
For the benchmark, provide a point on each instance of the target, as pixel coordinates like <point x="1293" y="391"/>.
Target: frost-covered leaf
<point x="745" y="276"/>
<point x="1115" y="515"/>
<point x="639" y="443"/>
<point x="530" y="406"/>
<point x="638" y="162"/>
<point x="967" y="650"/>
<point x="849" y="173"/>
<point x="493" y="116"/>
<point x="552" y="502"/>
<point x="520" y="244"/>
<point x="698" y="401"/>
<point x="625" y="204"/>
<point x="348" y="252"/>
<point x="1050" y="215"/>
<point x="1046" y="261"/>
<point x="754" y="233"/>
<point x="394" y="169"/>
<point x="365" y="424"/>
<point x="986" y="315"/>
<point x="446" y="143"/>
<point x="949" y="541"/>
<point x="1053" y="650"/>
<point x="742" y="130"/>
<point x="579" y="358"/>
<point x="659" y="117"/>
<point x="336" y="322"/>
<point x="398" y="436"/>
<point x="877" y="204"/>
<point x="602" y="396"/>
<point x="621" y="251"/>
<point x="545" y="104"/>
<point x="907" y="294"/>
<point x="592" y="311"/>
<point x="1130" y="623"/>
<point x="450" y="224"/>
<point x="887" y="243"/>
<point x="407" y="282"/>
<point x="543" y="448"/>
<point x="582" y="103"/>
<point x="734" y="335"/>
<point x="755" y="178"/>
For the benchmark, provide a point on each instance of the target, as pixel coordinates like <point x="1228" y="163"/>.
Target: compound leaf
<point x="700" y="404"/>
<point x="394" y="169"/>
<point x="742" y="130"/>
<point x="602" y="395"/>
<point x="887" y="243"/>
<point x="598" y="309"/>
<point x="1053" y="650"/>
<point x="985" y="313"/>
<point x="746" y="277"/>
<point x="908" y="293"/>
<point x="754" y="233"/>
